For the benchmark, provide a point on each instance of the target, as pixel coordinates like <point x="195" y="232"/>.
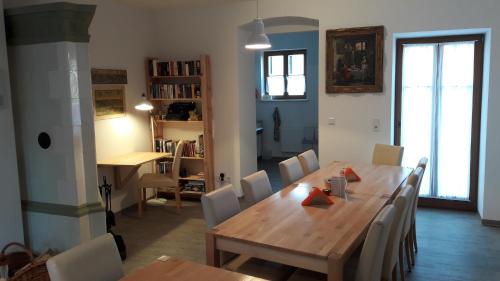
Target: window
<point x="285" y="74"/>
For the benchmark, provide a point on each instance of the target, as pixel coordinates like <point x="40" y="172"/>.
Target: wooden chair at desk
<point x="156" y="180"/>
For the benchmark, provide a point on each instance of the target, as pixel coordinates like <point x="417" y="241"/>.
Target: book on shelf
<point x="165" y="145"/>
<point x="194" y="185"/>
<point x="189" y="149"/>
<point x="164" y="167"/>
<point x="174" y="68"/>
<point x="175" y="91"/>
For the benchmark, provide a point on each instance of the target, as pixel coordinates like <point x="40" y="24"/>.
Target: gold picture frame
<point x="354" y="60"/>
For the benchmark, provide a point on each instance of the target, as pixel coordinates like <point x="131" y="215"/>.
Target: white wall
<point x="213" y="29"/>
<point x="121" y="38"/>
<point x="10" y="201"/>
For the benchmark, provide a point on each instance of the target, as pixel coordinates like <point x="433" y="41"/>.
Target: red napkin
<point x="317" y="197"/>
<point x="350" y="175"/>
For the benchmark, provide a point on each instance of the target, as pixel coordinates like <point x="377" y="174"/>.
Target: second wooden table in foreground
<point x="182" y="270"/>
<point x="318" y="238"/>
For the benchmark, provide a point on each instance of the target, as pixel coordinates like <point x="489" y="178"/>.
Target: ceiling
<point x="176" y="3"/>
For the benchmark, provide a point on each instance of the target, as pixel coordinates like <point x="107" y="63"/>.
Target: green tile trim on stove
<point x="61" y="209"/>
<point x="46" y="23"/>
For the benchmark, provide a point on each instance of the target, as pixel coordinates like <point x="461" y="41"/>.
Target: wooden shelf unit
<point x="159" y="128"/>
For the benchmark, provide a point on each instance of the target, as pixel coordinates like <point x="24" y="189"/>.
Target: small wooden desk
<point x="318" y="238"/>
<point x="133" y="160"/>
<point x="176" y="269"/>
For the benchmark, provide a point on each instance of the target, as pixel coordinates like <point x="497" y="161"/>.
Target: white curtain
<point x="436" y="115"/>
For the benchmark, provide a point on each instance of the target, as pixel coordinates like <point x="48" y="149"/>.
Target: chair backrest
<point x="384" y="154"/>
<point x="176" y="165"/>
<point x="372" y="254"/>
<point x="256" y="187"/>
<point x="422" y="164"/>
<point x="414" y="180"/>
<point x="309" y="161"/>
<point x="290" y="171"/>
<point x="391" y="255"/>
<point x="96" y="260"/>
<point x="219" y="205"/>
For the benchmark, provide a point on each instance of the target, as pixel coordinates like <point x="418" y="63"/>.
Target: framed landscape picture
<point x="354" y="58"/>
<point x="109" y="101"/>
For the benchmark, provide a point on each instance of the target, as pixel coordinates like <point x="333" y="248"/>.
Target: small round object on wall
<point x="44" y="140"/>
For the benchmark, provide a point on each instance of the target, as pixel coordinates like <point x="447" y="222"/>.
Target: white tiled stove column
<point x="50" y="77"/>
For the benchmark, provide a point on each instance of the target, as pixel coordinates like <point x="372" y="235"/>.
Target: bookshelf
<point x="174" y="87"/>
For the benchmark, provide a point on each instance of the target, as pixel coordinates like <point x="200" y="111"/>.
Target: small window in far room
<point x="285" y="74"/>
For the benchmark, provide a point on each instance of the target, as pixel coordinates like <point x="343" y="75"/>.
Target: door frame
<point x="471" y="204"/>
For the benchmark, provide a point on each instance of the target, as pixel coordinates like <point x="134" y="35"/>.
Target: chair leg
<point x="139" y="203"/>
<point x="414" y="231"/>
<point x="408" y="256"/>
<point x="401" y="262"/>
<point x="412" y="250"/>
<point x="394" y="274"/>
<point x="178" y="199"/>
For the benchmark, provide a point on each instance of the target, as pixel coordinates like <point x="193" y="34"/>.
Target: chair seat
<point x="150" y="180"/>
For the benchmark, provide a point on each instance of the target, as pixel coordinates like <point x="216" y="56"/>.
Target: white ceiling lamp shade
<point x="258" y="40"/>
<point x="144" y="105"/>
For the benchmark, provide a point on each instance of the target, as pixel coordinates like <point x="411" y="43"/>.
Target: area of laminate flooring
<point x="452" y="245"/>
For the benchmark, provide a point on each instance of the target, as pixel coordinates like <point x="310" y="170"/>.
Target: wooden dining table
<point x="175" y="269"/>
<point x="319" y="237"/>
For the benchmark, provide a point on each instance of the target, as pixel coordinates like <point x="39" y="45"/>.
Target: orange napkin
<point x="350" y="175"/>
<point x="317" y="197"/>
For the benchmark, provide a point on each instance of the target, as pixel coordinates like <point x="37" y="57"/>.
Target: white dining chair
<point x="406" y="242"/>
<point x="256" y="187"/>
<point x="423" y="164"/>
<point x="219" y="205"/>
<point x="162" y="181"/>
<point x="384" y="154"/>
<point x="391" y="255"/>
<point x="222" y="204"/>
<point x="309" y="161"/>
<point x="372" y="253"/>
<point x="96" y="260"/>
<point x="290" y="171"/>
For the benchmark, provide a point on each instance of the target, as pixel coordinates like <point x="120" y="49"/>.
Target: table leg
<point x="335" y="268"/>
<point x="118" y="177"/>
<point x="213" y="254"/>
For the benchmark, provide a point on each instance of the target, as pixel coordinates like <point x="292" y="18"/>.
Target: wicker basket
<point x="23" y="265"/>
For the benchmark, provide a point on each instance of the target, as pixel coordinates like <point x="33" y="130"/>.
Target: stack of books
<point x="174" y="68"/>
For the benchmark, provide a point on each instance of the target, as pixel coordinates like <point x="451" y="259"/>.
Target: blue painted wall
<point x="292" y="113"/>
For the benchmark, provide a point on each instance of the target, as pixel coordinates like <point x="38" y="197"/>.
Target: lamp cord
<point x="257" y="8"/>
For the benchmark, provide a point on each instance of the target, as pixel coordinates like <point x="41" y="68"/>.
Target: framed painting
<point x="354" y="58"/>
<point x="109" y="101"/>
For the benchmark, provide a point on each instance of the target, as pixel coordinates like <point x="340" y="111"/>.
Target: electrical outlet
<point x="331" y="121"/>
<point x="376" y="125"/>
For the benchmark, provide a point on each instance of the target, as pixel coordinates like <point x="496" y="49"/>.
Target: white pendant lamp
<point x="258" y="40"/>
<point x="144" y="105"/>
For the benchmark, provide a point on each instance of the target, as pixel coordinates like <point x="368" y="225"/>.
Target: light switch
<point x="331" y="121"/>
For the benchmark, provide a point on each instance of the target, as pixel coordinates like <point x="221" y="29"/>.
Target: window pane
<point x="296" y="85"/>
<point x="416" y="108"/>
<point x="275" y="65"/>
<point x="276" y="85"/>
<point x="296" y="64"/>
<point x="455" y="120"/>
